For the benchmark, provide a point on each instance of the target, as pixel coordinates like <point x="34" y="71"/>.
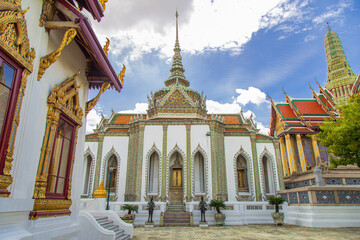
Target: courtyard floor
<point x="246" y="232"/>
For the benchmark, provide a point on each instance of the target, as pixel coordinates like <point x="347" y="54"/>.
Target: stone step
<point x="119" y="233"/>
<point x="176" y="224"/>
<point x="177" y="219"/>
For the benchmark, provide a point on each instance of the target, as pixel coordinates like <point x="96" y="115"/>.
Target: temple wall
<point x="199" y="138"/>
<point x="262" y="148"/>
<point x="232" y="147"/>
<point x="31" y="131"/>
<point x="153" y="136"/>
<point x="118" y="146"/>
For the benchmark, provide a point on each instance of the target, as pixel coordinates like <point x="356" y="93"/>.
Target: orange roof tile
<point x="309" y="106"/>
<point x="231" y="120"/>
<point x="122" y="119"/>
<point x="286" y="111"/>
<point x="325" y="101"/>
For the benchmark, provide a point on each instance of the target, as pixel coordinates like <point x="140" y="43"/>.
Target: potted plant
<point x="277" y="216"/>
<point x="129" y="217"/>
<point x="219" y="216"/>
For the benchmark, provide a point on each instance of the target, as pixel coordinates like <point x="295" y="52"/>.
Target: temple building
<point x="310" y="186"/>
<point x="49" y="59"/>
<point x="177" y="153"/>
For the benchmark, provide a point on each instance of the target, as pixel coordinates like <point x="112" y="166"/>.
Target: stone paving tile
<point x="247" y="232"/>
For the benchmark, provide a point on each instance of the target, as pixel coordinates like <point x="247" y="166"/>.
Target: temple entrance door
<point x="176" y="181"/>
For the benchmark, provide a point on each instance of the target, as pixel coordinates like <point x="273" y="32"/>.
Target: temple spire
<point x="340" y="76"/>
<point x="177" y="70"/>
<point x="177" y="26"/>
<point x="328" y="26"/>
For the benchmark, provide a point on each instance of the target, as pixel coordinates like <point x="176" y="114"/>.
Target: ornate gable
<point x="13" y="38"/>
<point x="176" y="100"/>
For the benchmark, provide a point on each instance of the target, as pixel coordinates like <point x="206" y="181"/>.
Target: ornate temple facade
<point x="49" y="59"/>
<point x="177" y="153"/>
<point x="311" y="187"/>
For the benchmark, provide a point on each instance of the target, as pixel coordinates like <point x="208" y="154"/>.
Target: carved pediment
<point x="176" y="100"/>
<point x="13" y="33"/>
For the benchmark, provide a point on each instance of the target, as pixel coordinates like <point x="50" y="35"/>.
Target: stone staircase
<point x="175" y="208"/>
<point x="175" y="216"/>
<point x="107" y="224"/>
<point x="177" y="219"/>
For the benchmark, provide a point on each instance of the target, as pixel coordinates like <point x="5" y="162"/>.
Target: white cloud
<point x="92" y="119"/>
<point x="251" y="95"/>
<point x="333" y="12"/>
<point x="286" y="10"/>
<point x="139" y="108"/>
<point x="309" y="38"/>
<point x="216" y="107"/>
<point x="142" y="26"/>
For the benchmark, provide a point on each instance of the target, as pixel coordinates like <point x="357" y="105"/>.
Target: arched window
<point x="242" y="174"/>
<point x="199" y="173"/>
<point x="111" y="173"/>
<point x="268" y="176"/>
<point x="87" y="174"/>
<point x="153" y="181"/>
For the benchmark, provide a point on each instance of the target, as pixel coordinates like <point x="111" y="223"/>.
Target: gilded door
<point x="176" y="189"/>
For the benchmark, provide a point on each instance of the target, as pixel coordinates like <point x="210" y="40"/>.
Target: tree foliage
<point x="342" y="136"/>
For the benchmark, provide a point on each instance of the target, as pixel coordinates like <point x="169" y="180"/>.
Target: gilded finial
<point x="106" y="47"/>
<point x="283" y="91"/>
<point x="328" y="26"/>
<point x="100" y="191"/>
<point x="177" y="31"/>
<point x="102" y="2"/>
<point x="122" y="75"/>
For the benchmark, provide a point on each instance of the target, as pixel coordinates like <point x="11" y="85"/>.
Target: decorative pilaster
<point x="290" y="153"/>
<point x="188" y="163"/>
<point x="285" y="164"/>
<point x="218" y="161"/>
<point x="139" y="162"/>
<point x="98" y="160"/>
<point x="279" y="166"/>
<point x="301" y="152"/>
<point x="164" y="164"/>
<point x="256" y="166"/>
<point x="316" y="149"/>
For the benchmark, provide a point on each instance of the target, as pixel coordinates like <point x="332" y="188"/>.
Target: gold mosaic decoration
<point x="14" y="42"/>
<point x="103" y="2"/>
<point x="106" y="47"/>
<point x="64" y="99"/>
<point x="122" y="75"/>
<point x="49" y="59"/>
<point x="91" y="104"/>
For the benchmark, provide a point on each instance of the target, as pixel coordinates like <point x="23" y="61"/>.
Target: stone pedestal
<point x="149" y="224"/>
<point x="203" y="224"/>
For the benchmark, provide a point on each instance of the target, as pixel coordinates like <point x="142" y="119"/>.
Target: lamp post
<point x="108" y="196"/>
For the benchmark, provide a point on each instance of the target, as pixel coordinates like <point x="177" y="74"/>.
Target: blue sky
<point x="235" y="50"/>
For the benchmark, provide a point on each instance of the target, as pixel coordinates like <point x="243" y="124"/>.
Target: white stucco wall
<point x="199" y="138"/>
<point x="260" y="149"/>
<point x="153" y="135"/>
<point x="121" y="146"/>
<point x="233" y="144"/>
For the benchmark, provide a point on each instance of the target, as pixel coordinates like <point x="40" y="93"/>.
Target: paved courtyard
<point x="246" y="232"/>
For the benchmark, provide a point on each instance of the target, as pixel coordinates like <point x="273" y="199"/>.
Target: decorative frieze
<point x="325" y="197"/>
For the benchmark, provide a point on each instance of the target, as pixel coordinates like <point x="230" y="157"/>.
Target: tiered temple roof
<point x="301" y="115"/>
